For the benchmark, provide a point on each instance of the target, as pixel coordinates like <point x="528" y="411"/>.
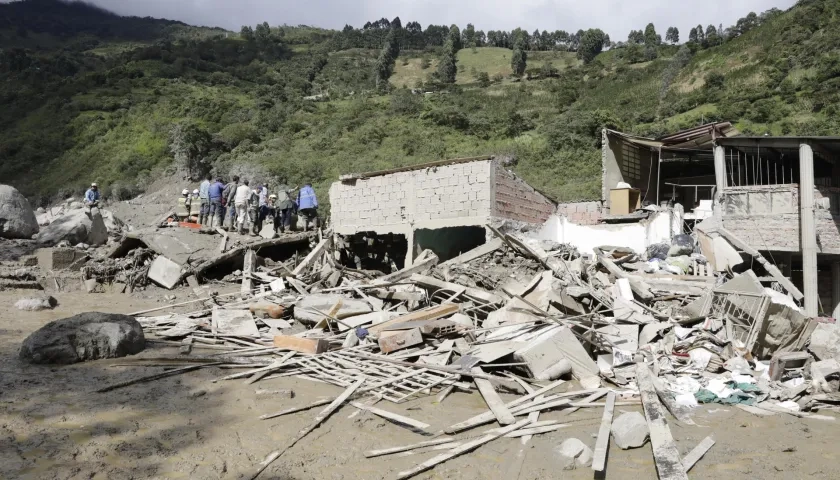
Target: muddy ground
<point x="53" y="427"/>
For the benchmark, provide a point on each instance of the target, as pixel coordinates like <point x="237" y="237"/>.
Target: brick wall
<point x="516" y="200"/>
<point x="414" y="197"/>
<point x="582" y="213"/>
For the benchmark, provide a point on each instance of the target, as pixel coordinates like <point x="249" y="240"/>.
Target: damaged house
<point x="391" y="216"/>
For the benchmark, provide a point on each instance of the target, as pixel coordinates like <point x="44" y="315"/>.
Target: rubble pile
<point x="515" y="315"/>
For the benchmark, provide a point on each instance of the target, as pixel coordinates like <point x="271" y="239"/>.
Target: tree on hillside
<point x="591" y="44"/>
<point x="519" y="59"/>
<point x="636" y="36"/>
<point x="692" y="35"/>
<point x="455" y="36"/>
<point x="447" y="68"/>
<point x="700" y="36"/>
<point x="263" y="35"/>
<point x="468" y="36"/>
<point x="480" y="38"/>
<point x="387" y="57"/>
<point x="672" y="35"/>
<point x="651" y="39"/>
<point x="247" y="34"/>
<point x="712" y="38"/>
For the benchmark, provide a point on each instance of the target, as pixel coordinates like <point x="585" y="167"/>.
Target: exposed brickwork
<point x="447" y="192"/>
<point x="582" y="213"/>
<point x="516" y="200"/>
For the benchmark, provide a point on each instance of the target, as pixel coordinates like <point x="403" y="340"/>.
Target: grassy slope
<point x="116" y="132"/>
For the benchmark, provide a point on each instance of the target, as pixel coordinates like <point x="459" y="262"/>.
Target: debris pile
<point x="517" y="315"/>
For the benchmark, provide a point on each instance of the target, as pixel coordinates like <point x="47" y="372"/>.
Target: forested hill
<point x="88" y="95"/>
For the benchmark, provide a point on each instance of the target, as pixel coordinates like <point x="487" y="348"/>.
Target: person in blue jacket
<point x="308" y="205"/>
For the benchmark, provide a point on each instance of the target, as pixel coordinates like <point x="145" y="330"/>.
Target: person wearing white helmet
<point x="92" y="196"/>
<point x="182" y="211"/>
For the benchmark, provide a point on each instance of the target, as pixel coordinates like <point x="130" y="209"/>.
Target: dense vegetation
<point x="87" y="95"/>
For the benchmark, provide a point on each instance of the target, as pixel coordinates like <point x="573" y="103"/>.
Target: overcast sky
<point x="616" y="17"/>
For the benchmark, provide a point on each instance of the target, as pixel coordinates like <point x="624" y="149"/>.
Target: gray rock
<point x="76" y="226"/>
<point x="17" y="219"/>
<point x="630" y="430"/>
<point x="573" y="453"/>
<point x="87" y="336"/>
<point x="825" y="341"/>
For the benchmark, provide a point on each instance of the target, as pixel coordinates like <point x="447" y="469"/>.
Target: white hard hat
<point x="195" y="192"/>
<point x="185" y="192"/>
<point x="94" y="184"/>
<point x="272" y="196"/>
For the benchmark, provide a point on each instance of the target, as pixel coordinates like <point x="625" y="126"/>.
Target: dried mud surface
<point x="53" y="427"/>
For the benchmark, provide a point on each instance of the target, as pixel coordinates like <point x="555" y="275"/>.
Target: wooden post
<point x="808" y="229"/>
<point x="249" y="266"/>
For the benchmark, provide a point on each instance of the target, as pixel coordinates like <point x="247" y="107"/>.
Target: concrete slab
<point x="234" y="322"/>
<point x="165" y="272"/>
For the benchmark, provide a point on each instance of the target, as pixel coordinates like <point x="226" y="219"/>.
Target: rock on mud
<point x="573" y="453"/>
<point x="35" y="304"/>
<point x="17" y="219"/>
<point x="630" y="430"/>
<point x="76" y="226"/>
<point x="87" y="336"/>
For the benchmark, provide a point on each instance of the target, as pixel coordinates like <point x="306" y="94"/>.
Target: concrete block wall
<point x="516" y="200"/>
<point x="418" y="198"/>
<point x="582" y="213"/>
<point x="767" y="217"/>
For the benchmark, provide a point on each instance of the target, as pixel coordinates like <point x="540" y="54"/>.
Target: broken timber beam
<point x="599" y="461"/>
<point x="476" y="252"/>
<point x="639" y="287"/>
<point x="697" y="453"/>
<point x="406" y="272"/>
<point x="475" y="294"/>
<point x="493" y="400"/>
<point x="248" y="268"/>
<point x="320" y="418"/>
<point x="665" y="453"/>
<point x="427" y="314"/>
<point x="312" y="257"/>
<point x="771" y="269"/>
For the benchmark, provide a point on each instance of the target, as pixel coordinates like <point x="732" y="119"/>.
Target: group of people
<point x="235" y="204"/>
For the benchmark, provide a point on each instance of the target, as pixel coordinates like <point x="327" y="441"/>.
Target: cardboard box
<point x="624" y="201"/>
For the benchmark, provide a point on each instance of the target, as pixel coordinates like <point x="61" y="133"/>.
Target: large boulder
<point x="86" y="336"/>
<point x="76" y="226"/>
<point x="17" y="219"/>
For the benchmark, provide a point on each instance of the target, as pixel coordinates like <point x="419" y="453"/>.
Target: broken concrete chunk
<point x="630" y="430"/>
<point x="825" y="341"/>
<point x="573" y="454"/>
<point x="234" y="322"/>
<point x="165" y="272"/>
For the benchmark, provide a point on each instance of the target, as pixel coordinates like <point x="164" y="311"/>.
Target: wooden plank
<point x="302" y="345"/>
<point x="493" y="400"/>
<point x="602" y="445"/>
<point x="665" y="453"/>
<point x="431" y="313"/>
<point x="488" y="416"/>
<point x="406" y="272"/>
<point x="697" y="453"/>
<point x="476" y="252"/>
<point x="248" y="267"/>
<point x="279" y="364"/>
<point x="771" y="269"/>
<point x="320" y="418"/>
<point x="312" y="257"/>
<point x="463" y="448"/>
<point x="391" y="416"/>
<point x="405" y="448"/>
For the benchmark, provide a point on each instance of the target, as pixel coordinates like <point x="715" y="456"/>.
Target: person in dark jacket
<point x="284" y="208"/>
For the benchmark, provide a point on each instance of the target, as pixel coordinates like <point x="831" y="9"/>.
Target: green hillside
<point x="87" y="95"/>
